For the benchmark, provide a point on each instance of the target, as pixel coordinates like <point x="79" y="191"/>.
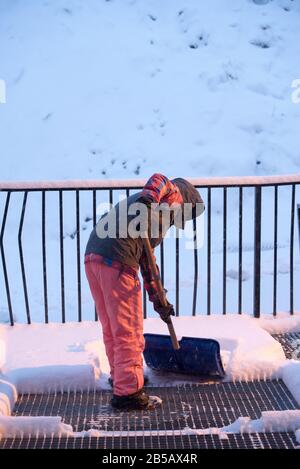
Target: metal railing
<point x="266" y="205"/>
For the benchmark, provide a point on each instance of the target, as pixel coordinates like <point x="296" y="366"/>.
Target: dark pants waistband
<point x="111" y="263"/>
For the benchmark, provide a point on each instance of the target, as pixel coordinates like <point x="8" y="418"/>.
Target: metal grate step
<point x="193" y="406"/>
<point x="234" y="441"/>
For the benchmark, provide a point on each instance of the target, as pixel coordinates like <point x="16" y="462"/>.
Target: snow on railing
<point x="236" y="181"/>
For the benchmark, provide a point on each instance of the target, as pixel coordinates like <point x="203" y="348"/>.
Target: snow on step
<point x="53" y="357"/>
<point x="8" y="397"/>
<point x="18" y="427"/>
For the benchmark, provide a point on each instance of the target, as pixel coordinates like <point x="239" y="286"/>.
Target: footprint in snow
<point x="201" y="41"/>
<point x="234" y="275"/>
<point x="137" y="170"/>
<point x="76" y="347"/>
<point x="261" y="43"/>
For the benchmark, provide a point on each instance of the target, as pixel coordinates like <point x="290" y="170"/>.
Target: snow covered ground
<point x="115" y="89"/>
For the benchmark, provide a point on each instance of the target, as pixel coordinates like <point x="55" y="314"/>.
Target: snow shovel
<point x="193" y="356"/>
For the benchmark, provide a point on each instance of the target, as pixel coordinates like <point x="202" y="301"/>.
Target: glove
<point x="164" y="311"/>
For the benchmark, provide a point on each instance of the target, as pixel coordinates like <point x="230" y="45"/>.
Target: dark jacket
<point x="128" y="250"/>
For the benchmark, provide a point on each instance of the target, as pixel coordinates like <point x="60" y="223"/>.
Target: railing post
<point x="257" y="253"/>
<point x="177" y="273"/>
<point x="224" y="249"/>
<point x="293" y="196"/>
<point x="195" y="266"/>
<point x="298" y="214"/>
<point x="240" y="288"/>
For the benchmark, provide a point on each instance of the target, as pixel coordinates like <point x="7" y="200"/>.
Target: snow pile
<point x="14" y="427"/>
<point x="281" y="324"/>
<point x="270" y="421"/>
<point x="2" y="347"/>
<point x="8" y="397"/>
<point x="2" y="354"/>
<point x="54" y="357"/>
<point x="281" y="421"/>
<point x="290" y="373"/>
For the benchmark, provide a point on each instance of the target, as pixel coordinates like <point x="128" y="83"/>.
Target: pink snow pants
<point x="118" y="298"/>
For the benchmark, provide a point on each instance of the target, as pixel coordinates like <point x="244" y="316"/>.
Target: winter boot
<point x="137" y="401"/>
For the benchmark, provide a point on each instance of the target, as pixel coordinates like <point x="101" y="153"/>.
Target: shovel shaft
<point x="172" y="333"/>
<point x="160" y="289"/>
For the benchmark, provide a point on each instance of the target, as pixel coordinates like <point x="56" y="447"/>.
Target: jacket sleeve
<point x="149" y="282"/>
<point x="160" y="189"/>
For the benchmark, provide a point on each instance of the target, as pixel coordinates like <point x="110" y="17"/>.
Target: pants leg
<point x="123" y="302"/>
<point x="93" y="273"/>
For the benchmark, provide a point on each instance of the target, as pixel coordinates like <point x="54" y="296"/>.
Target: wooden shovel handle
<point x="160" y="290"/>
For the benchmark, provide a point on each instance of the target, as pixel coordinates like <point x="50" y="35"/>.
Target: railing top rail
<point x="236" y="181"/>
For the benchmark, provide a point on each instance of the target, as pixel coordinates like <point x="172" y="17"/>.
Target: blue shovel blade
<point x="198" y="357"/>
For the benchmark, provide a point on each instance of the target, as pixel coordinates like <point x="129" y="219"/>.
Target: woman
<point x="112" y="261"/>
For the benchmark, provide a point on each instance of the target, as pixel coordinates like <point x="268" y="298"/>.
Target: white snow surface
<point x="67" y="356"/>
<point x="270" y="421"/>
<point x="55" y="357"/>
<point x="283" y="323"/>
<point x="14" y="427"/>
<point x="290" y="373"/>
<point x="112" y="89"/>
<point x="8" y="396"/>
